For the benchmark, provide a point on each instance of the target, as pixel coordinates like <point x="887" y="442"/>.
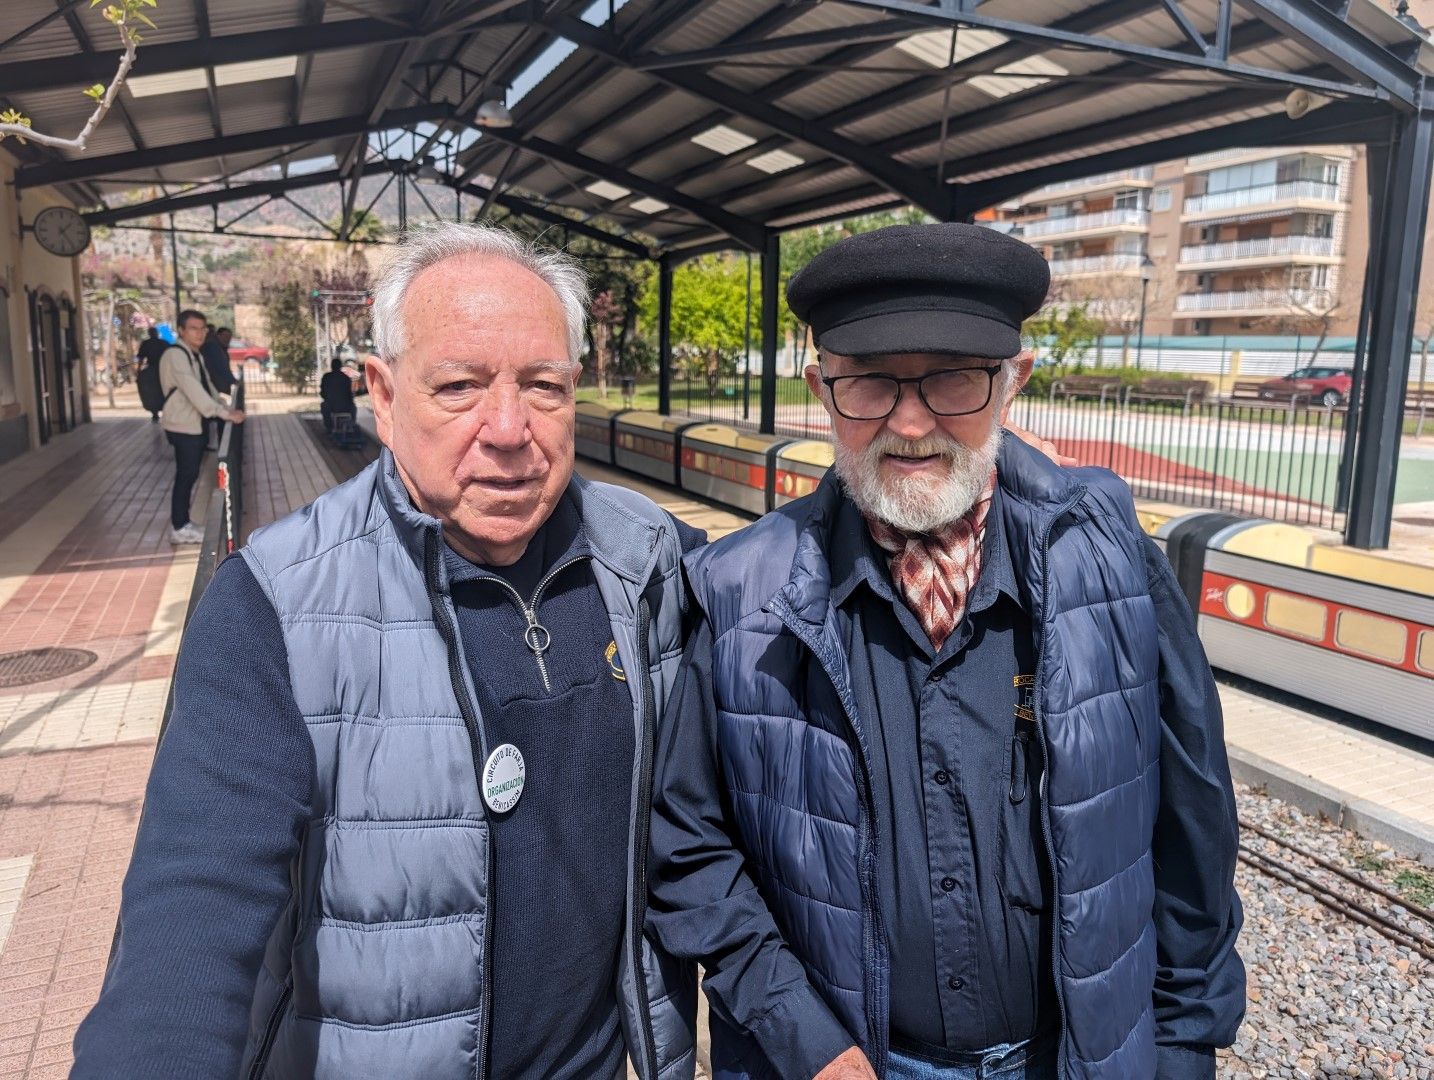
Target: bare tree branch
<point x="127" y="17"/>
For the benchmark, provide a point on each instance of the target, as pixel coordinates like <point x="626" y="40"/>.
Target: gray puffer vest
<point x="379" y="968"/>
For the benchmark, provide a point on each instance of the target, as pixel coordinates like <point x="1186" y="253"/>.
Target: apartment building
<point x="1240" y="241"/>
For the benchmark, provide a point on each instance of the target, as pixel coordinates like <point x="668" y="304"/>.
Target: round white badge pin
<point x="503" y="778"/>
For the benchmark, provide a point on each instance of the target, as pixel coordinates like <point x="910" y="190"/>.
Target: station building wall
<point x="44" y="382"/>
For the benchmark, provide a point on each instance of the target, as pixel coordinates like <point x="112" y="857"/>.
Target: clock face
<point x="61" y="231"/>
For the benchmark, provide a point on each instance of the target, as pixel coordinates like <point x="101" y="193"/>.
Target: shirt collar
<point x="856" y="559"/>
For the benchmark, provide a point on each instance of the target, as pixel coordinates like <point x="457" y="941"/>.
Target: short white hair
<point x="429" y="244"/>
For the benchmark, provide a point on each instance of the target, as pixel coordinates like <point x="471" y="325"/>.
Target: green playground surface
<point x="1304" y="476"/>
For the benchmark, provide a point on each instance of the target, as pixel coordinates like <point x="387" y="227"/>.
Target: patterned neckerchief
<point x="935" y="572"/>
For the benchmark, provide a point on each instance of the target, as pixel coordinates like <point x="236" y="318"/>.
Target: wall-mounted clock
<point x="61" y="231"/>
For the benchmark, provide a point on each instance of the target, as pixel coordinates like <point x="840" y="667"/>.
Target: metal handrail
<point x="1080" y="222"/>
<point x="1257" y="248"/>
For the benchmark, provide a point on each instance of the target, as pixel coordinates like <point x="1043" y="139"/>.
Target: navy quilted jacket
<point x="792" y="762"/>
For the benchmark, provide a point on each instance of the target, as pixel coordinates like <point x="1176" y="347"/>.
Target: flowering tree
<point x="606" y="314"/>
<point x="127" y="16"/>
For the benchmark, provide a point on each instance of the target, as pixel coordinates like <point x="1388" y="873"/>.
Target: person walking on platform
<point x="397" y="825"/>
<point x="945" y="793"/>
<point x="151" y="396"/>
<point x="189" y="400"/>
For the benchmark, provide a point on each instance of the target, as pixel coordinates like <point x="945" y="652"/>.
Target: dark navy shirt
<point x="560" y="884"/>
<point x="955" y="782"/>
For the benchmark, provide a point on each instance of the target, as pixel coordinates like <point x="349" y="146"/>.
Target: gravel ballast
<point x="1327" y="996"/>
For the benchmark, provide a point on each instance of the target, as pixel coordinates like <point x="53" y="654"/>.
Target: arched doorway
<point x="47" y="354"/>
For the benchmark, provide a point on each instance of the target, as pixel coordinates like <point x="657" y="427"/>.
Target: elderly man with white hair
<point x="944" y="794"/>
<point x="398" y="824"/>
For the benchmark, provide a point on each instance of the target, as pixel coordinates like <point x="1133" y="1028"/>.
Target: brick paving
<point x="84" y="563"/>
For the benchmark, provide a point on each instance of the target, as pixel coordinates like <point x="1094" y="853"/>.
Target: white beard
<point x="918" y="504"/>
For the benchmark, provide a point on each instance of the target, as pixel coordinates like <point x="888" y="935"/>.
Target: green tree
<point x="1066" y="331"/>
<point x="291" y="332"/>
<point x="709" y="315"/>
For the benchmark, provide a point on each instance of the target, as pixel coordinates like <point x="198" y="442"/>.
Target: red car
<point x="241" y="353"/>
<point x="1327" y="386"/>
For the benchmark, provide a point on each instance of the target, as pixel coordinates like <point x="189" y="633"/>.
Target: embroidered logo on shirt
<point x="614" y="662"/>
<point x="1026" y="707"/>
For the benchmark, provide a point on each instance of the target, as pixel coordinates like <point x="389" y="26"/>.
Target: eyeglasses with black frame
<point x="948" y="392"/>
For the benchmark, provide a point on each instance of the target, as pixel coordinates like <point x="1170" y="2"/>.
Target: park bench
<point x="1254" y="390"/>
<point x="1101" y="387"/>
<point x="1182" y="392"/>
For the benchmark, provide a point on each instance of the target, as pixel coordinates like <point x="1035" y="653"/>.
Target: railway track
<point x="1350" y="895"/>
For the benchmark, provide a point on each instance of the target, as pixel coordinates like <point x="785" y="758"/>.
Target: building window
<point x="1162" y="199"/>
<point x="1130" y="199"/>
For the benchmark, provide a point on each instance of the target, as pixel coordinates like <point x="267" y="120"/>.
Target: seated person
<point x="336" y="393"/>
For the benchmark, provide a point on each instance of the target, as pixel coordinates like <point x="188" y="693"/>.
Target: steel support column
<point x="771" y="305"/>
<point x="1404" y="179"/>
<point x="664" y="335"/>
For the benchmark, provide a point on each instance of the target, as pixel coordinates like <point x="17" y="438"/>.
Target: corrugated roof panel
<point x="185" y="120"/>
<point x="606" y="96"/>
<point x="790" y="189"/>
<point x="711" y="24"/>
<point x="254" y="15"/>
<point x="53" y="39"/>
<point x="852" y="207"/>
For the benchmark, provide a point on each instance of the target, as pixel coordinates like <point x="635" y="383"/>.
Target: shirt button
<point x="942" y="777"/>
<point x="947" y="884"/>
<point x="955" y="983"/>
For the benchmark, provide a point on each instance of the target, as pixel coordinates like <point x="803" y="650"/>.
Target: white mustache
<point x="932" y="445"/>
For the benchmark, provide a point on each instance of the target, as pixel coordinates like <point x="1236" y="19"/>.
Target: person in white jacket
<point x="189" y="400"/>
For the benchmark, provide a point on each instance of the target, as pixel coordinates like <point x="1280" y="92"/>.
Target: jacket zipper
<point x="448" y="632"/>
<point x="640" y="839"/>
<point x="536" y="635"/>
<point x="271" y="1031"/>
<point x="871" y="931"/>
<point x="1041" y="730"/>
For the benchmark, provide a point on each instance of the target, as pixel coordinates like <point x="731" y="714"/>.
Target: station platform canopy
<point x="675" y="125"/>
<point x="668" y="128"/>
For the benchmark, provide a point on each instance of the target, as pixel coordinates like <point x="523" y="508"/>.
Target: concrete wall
<point x="27" y="269"/>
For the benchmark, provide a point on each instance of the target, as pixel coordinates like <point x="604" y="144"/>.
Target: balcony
<point x="1236" y="155"/>
<point x="1106" y="221"/>
<point x="1122" y="178"/>
<point x="1256" y="302"/>
<point x="1094" y="264"/>
<point x="1271" y="249"/>
<point x="1294" y="194"/>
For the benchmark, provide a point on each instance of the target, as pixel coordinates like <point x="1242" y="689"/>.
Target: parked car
<point x="241" y="352"/>
<point x="1327" y="386"/>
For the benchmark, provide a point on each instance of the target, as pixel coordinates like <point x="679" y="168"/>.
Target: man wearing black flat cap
<point x="947" y="795"/>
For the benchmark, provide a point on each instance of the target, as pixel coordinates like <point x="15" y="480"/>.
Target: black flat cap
<point x="944" y="288"/>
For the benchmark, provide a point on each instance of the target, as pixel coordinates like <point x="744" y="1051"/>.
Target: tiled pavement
<point x="84" y="563"/>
